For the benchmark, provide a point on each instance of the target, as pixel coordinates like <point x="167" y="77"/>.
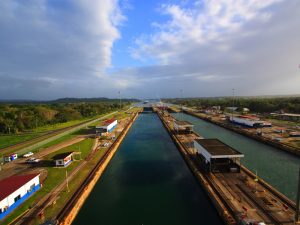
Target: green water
<point x="147" y="182"/>
<point x="278" y="168"/>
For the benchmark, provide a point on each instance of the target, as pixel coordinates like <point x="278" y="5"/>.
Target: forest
<point x="18" y="117"/>
<point x="255" y="104"/>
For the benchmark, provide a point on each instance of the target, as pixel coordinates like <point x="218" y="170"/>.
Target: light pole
<point x="120" y="99"/>
<point x="297" y="199"/>
<point x="232" y="103"/>
<point x="181" y="104"/>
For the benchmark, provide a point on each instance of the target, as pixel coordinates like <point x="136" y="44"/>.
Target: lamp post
<point x="297" y="199"/>
<point x="181" y="112"/>
<point x="232" y="103"/>
<point x="120" y="99"/>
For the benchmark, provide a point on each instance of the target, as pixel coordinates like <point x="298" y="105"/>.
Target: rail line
<point x="26" y="145"/>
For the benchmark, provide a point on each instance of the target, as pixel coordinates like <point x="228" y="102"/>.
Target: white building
<point x="183" y="126"/>
<point x="249" y="121"/>
<point x="63" y="159"/>
<point x="107" y="126"/>
<point x="15" y="190"/>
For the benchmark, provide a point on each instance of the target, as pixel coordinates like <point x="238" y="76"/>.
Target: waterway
<point x="275" y="166"/>
<point x="147" y="182"/>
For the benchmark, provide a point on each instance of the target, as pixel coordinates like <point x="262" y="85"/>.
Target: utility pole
<point x="232" y="103"/>
<point x="68" y="189"/>
<point x="181" y="104"/>
<point x="120" y="99"/>
<point x="297" y="199"/>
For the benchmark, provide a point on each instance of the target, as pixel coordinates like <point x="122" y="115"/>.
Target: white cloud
<point x="250" y="45"/>
<point x="57" y="42"/>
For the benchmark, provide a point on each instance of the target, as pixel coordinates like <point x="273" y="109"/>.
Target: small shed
<point x="15" y="190"/>
<point x="217" y="156"/>
<point x="63" y="159"/>
<point x="11" y="157"/>
<point x="183" y="126"/>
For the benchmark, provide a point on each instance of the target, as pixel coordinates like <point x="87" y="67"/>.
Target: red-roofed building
<point x="16" y="189"/>
<point x="106" y="126"/>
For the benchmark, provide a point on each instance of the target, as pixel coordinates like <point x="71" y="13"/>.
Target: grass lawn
<point x="284" y="122"/>
<point x="8" y="140"/>
<point x="53" y="210"/>
<point x="54" y="177"/>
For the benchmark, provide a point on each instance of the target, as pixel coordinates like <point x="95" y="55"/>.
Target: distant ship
<point x="145" y="102"/>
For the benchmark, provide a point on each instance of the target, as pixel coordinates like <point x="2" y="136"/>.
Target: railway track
<point x="26" y="145"/>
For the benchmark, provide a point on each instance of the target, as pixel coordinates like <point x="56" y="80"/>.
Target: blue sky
<point x="76" y="48"/>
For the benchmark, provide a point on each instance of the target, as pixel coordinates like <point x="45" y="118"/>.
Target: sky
<point x="148" y="49"/>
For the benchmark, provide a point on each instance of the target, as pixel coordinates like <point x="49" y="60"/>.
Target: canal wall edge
<point x="71" y="209"/>
<point x="222" y="210"/>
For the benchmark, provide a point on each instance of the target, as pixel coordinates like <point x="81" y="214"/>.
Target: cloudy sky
<point x="93" y="48"/>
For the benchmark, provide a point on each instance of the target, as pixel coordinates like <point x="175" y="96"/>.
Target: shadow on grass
<point x="85" y="131"/>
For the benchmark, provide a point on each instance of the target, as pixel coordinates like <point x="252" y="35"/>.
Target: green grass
<point x="54" y="177"/>
<point x="53" y="210"/>
<point x="283" y="122"/>
<point x="9" y="140"/>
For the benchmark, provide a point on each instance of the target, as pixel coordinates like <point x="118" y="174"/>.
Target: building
<point x="63" y="159"/>
<point x="11" y="157"/>
<point x="216" y="156"/>
<point x="183" y="126"/>
<point x="286" y="116"/>
<point x="249" y="121"/>
<point x="15" y="190"/>
<point x="106" y="126"/>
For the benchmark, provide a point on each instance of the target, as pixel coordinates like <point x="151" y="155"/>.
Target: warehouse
<point x="249" y="121"/>
<point x="183" y="126"/>
<point x="63" y="159"/>
<point x="106" y="126"/>
<point x="216" y="156"/>
<point x="15" y="190"/>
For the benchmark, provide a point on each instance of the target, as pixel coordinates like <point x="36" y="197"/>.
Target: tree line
<point x="15" y="118"/>
<point x="258" y="105"/>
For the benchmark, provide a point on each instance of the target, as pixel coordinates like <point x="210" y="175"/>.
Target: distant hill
<point x="64" y="100"/>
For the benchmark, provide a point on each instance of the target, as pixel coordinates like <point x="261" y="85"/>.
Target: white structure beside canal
<point x="15" y="190"/>
<point x="107" y="126"/>
<point x="249" y="121"/>
<point x="63" y="159"/>
<point x="183" y="126"/>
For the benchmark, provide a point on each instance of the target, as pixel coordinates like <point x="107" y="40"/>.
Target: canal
<point x="275" y="166"/>
<point x="147" y="182"/>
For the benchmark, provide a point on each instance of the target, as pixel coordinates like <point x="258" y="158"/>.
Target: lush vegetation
<point x="17" y="117"/>
<point x="259" y="104"/>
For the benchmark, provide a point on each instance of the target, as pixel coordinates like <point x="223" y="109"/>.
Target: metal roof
<point x="62" y="155"/>
<point x="215" y="147"/>
<point x="183" y="123"/>
<point x="13" y="183"/>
